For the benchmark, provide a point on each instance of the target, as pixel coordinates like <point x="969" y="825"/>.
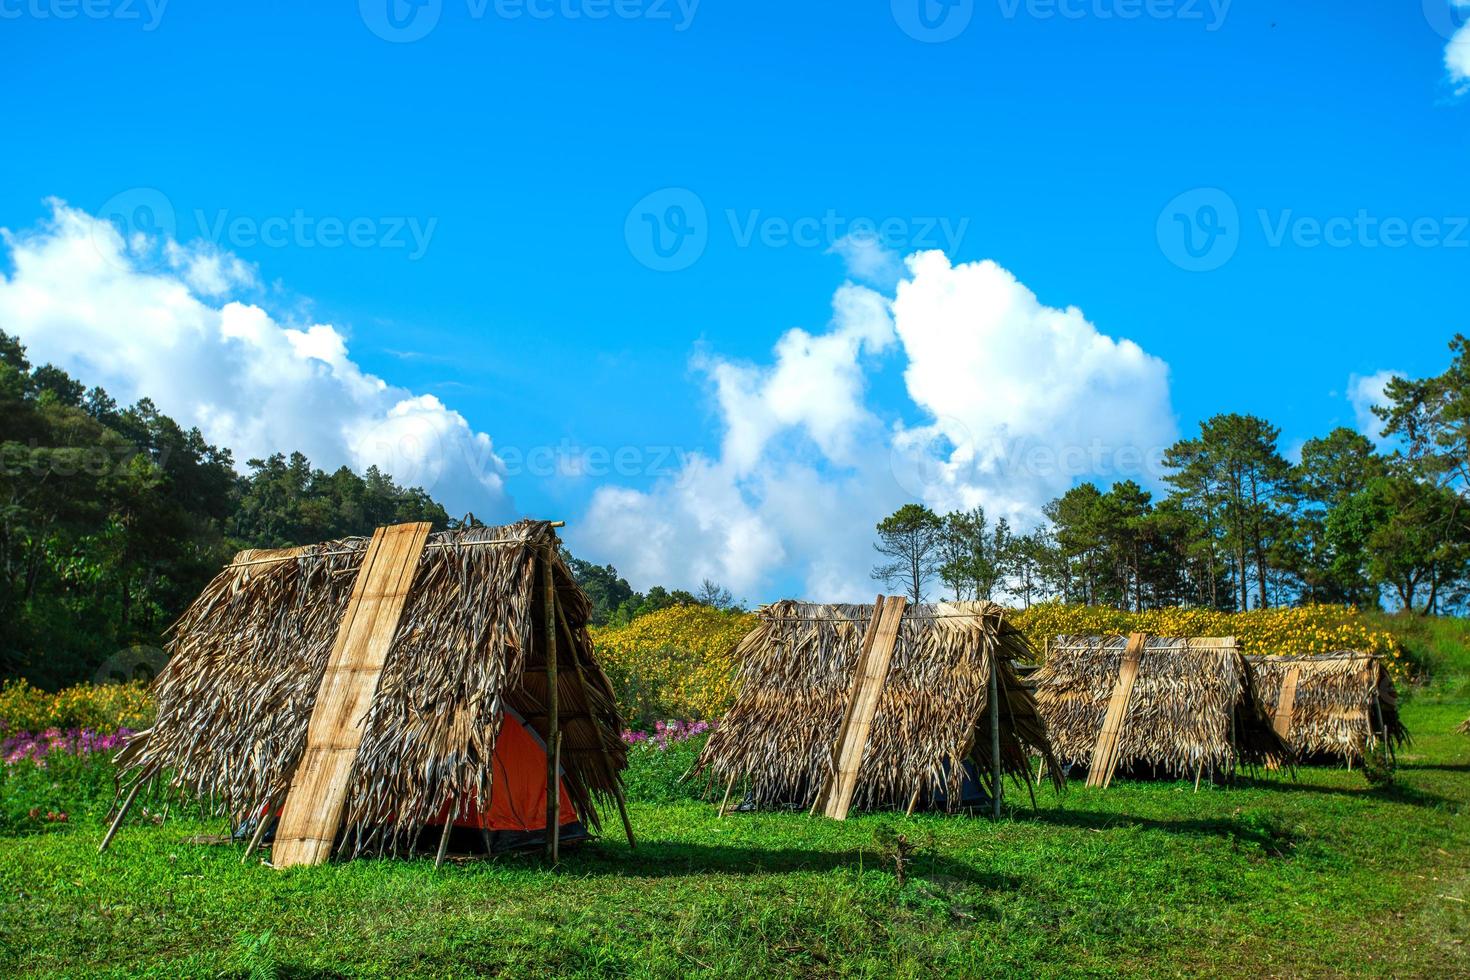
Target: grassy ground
<point x="1326" y="875"/>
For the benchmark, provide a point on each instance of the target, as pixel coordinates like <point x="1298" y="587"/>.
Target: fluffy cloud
<point x="1014" y="401"/>
<point x="1024" y="398"/>
<point x="83" y="298"/>
<point x="1454" y="23"/>
<point x="1365" y="392"/>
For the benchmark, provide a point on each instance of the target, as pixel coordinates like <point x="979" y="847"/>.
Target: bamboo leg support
<point x="123" y="812"/>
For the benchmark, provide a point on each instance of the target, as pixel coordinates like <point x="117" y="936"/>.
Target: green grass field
<point x="1325" y="875"/>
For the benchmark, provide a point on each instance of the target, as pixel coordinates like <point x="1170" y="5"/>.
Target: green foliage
<point x="656" y="775"/>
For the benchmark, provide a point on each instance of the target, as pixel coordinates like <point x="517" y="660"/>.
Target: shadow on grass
<point x="671" y="859"/>
<point x="1395" y="792"/>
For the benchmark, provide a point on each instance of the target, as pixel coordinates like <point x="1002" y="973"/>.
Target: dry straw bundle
<point x="1193" y="709"/>
<point x="796" y="676"/>
<point x="1341" y="703"/>
<point x="247" y="659"/>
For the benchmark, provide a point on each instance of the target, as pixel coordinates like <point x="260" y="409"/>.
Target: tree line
<point x="1239" y="526"/>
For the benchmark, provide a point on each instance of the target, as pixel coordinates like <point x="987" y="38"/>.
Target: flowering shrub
<point x="665" y="734"/>
<point x="1295" y="630"/>
<point x="673" y="663"/>
<point x="102" y="707"/>
<point x="77" y="741"/>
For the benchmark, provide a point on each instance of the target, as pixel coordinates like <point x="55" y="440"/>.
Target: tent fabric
<point x="518" y="786"/>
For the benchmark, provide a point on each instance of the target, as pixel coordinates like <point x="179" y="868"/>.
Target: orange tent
<point x="518" y="781"/>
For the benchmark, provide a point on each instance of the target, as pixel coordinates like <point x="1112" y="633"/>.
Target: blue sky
<point x="505" y="173"/>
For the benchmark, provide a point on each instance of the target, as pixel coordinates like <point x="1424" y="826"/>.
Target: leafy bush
<point x="674" y="663"/>
<point x="102" y="708"/>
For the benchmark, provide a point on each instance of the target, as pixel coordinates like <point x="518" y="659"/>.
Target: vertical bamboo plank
<point x="314" y="804"/>
<point x="553" y="714"/>
<point x="872" y="675"/>
<point x="1105" y="752"/>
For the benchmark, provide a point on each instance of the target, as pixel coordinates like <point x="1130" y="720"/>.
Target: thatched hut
<point x="447" y="711"/>
<point x="805" y="675"/>
<point x="1331" y="705"/>
<point x="1154" y="706"/>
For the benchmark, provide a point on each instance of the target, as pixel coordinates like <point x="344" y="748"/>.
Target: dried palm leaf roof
<point x="247" y="659"/>
<point x="795" y="677"/>
<point x="1193" y="707"/>
<point x="1338" y="699"/>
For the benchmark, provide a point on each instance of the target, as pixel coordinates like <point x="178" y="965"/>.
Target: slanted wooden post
<point x="312" y="814"/>
<point x="605" y="755"/>
<point x="871" y="675"/>
<point x="122" y="812"/>
<point x="995" y="766"/>
<point x="1105" y="752"/>
<point x="553" y="717"/>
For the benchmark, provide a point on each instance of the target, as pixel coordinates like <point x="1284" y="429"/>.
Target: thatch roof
<point x="1333" y="710"/>
<point x="247" y="659"/>
<point x="1193" y="708"/>
<point x="796" y="675"/>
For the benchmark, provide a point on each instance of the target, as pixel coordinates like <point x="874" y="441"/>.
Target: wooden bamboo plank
<point x="871" y="676"/>
<point x="1286" y="703"/>
<point x="314" y="804"/>
<point x="1105" y="752"/>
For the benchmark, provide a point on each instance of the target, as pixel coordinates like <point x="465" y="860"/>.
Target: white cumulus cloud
<point x="1013" y="401"/>
<point x="1457" y="52"/>
<point x="80" y="297"/>
<point x="1364" y="392"/>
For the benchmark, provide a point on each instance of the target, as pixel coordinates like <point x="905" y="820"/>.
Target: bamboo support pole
<point x="913" y="801"/>
<point x="995" y="763"/>
<point x="604" y="754"/>
<point x="263" y="820"/>
<point x="724" y="802"/>
<point x="553" y="709"/>
<point x="123" y="812"/>
<point x="445" y="835"/>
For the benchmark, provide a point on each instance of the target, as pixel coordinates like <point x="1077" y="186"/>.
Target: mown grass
<point x="1325" y="875"/>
